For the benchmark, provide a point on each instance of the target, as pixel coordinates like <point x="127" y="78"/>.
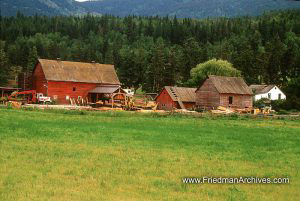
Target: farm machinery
<point x="30" y="96"/>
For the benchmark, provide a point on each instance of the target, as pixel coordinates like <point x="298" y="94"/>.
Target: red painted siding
<point x="207" y="95"/>
<point x="60" y="90"/>
<point x="165" y="101"/>
<point x="39" y="81"/>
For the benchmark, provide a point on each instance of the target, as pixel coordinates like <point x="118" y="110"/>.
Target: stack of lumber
<point x="222" y="110"/>
<point x="140" y="103"/>
<point x="65" y="107"/>
<point x="151" y="111"/>
<point x="108" y="109"/>
<point x="151" y="104"/>
<point x="184" y="111"/>
<point x="145" y="111"/>
<point x="244" y="111"/>
<point x="100" y="102"/>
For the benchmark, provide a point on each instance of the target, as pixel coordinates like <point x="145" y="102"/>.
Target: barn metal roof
<point x="182" y="93"/>
<point x="9" y="88"/>
<point x="261" y="89"/>
<point x="57" y="70"/>
<point x="105" y="89"/>
<point x="230" y="85"/>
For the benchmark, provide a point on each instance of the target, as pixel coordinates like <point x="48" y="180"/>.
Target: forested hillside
<point x="153" y="52"/>
<point x="41" y="7"/>
<point x="189" y="8"/>
<point x="180" y="8"/>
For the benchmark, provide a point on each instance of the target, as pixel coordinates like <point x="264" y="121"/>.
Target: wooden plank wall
<point x="239" y="101"/>
<point x="207" y="95"/>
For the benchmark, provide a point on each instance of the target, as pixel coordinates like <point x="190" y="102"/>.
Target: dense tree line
<point x="156" y="51"/>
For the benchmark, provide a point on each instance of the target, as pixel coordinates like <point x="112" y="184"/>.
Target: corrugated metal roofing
<point x="105" y="89"/>
<point x="9" y="88"/>
<point x="182" y="93"/>
<point x="230" y="85"/>
<point x="57" y="70"/>
<point x="261" y="89"/>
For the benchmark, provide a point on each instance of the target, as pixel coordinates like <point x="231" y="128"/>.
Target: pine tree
<point x="32" y="59"/>
<point x="193" y="56"/>
<point x="3" y="65"/>
<point x="276" y="50"/>
<point x="156" y="69"/>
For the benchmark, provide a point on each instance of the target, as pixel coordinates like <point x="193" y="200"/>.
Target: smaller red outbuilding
<point x="176" y="98"/>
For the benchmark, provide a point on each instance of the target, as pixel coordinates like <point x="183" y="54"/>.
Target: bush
<point x="262" y="103"/>
<point x="278" y="105"/>
<point x="281" y="111"/>
<point x="292" y="91"/>
<point x="9" y="105"/>
<point x="289" y="104"/>
<point x="3" y="98"/>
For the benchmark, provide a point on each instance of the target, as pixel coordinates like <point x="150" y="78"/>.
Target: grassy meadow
<point x="51" y="155"/>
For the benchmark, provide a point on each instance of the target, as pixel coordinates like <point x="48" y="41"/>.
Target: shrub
<point x="281" y="111"/>
<point x="262" y="103"/>
<point x="289" y="104"/>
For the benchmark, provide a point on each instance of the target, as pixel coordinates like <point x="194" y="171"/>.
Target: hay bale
<point x="222" y="108"/>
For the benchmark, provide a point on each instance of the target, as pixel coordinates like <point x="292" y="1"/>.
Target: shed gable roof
<point x="230" y="85"/>
<point x="181" y="93"/>
<point x="57" y="70"/>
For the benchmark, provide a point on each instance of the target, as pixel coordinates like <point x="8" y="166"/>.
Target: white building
<point x="129" y="91"/>
<point x="271" y="92"/>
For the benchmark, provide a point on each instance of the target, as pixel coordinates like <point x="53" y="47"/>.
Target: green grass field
<point x="126" y="156"/>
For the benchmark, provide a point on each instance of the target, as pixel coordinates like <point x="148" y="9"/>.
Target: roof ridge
<point x="55" y="60"/>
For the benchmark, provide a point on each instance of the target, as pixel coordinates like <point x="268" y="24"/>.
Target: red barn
<point x="224" y="91"/>
<point x="176" y="97"/>
<point x="63" y="80"/>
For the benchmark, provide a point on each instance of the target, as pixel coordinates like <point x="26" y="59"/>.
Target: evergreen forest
<point x="152" y="52"/>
